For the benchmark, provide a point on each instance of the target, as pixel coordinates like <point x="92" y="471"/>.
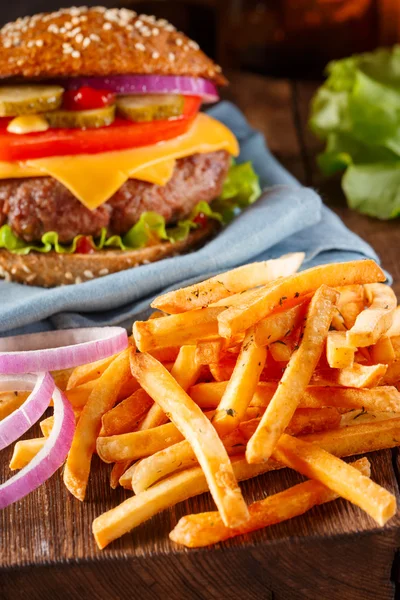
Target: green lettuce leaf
<point x="374" y="189"/>
<point x="357" y="112"/>
<point x="241" y="188"/>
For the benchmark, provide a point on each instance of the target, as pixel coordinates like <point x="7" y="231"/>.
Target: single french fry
<point x="78" y="396"/>
<point x="223" y="370"/>
<point x="46" y="425"/>
<point x="204" y="529"/>
<point x="24" y="451"/>
<point x="165" y="355"/>
<point x="85" y="373"/>
<point x="339" y="353"/>
<point x="181" y="456"/>
<point x="228" y="283"/>
<point x="127" y="389"/>
<point x="290" y="291"/>
<point x="181" y="329"/>
<point x="338" y="476"/>
<point x="112" y="524"/>
<point x="357" y="376"/>
<point x="199" y="432"/>
<point x="383" y="351"/>
<point x="241" y="386"/>
<point x="61" y="378"/>
<point x="280" y="325"/>
<point x="126" y="416"/>
<point x="375" y="320"/>
<point x="10" y="401"/>
<point x="394" y="329"/>
<point x="392" y="375"/>
<point x="209" y="351"/>
<point x="102" y="399"/>
<point x="281" y="351"/>
<point x="295" y="378"/>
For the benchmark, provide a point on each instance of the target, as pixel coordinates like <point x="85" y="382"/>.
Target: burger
<point x="106" y="162"/>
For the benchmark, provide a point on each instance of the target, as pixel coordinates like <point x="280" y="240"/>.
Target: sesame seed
<point x="171" y="56"/>
<point x="178" y="42"/>
<point x="103" y="272"/>
<point x="78" y="279"/>
<point x="155" y="55"/>
<point x="62" y="30"/>
<point x="68" y="275"/>
<point x="30" y="278"/>
<point x="68" y="25"/>
<point x="140" y="46"/>
<point x="170" y="28"/>
<point x="13" y="270"/>
<point x="39" y="43"/>
<point x="88" y="274"/>
<point x="138" y="24"/>
<point x="20" y="62"/>
<point x="75" y="20"/>
<point x="25" y="268"/>
<point x="31" y="43"/>
<point x="86" y="42"/>
<point x="75" y="54"/>
<point x="155" y="31"/>
<point x="83" y="19"/>
<point x="79" y="38"/>
<point x="94" y="37"/>
<point x="129" y="27"/>
<point x="218" y="68"/>
<point x="193" y="45"/>
<point x="107" y="26"/>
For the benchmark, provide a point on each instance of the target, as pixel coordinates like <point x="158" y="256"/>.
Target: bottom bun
<point x="52" y="269"/>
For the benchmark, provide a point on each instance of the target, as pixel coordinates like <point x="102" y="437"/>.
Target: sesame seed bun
<point x="99" y="42"/>
<point x="52" y="269"/>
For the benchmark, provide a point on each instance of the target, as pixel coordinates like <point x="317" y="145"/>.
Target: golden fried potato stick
<point x="375" y="320"/>
<point x="209" y="351"/>
<point x="295" y="378"/>
<point x="85" y="373"/>
<point x="10" y="401"/>
<point x="126" y="416"/>
<point x="383" y="351"/>
<point x="290" y="291"/>
<point x="339" y="353"/>
<point x="279" y="325"/>
<point x="394" y="329"/>
<point x="102" y="399"/>
<point x="228" y="283"/>
<point x="240" y="389"/>
<point x="78" y="396"/>
<point x="24" y="451"/>
<point x="181" y="329"/>
<point x="181" y="456"/>
<point x="338" y="476"/>
<point x="204" y="529"/>
<point x="357" y="376"/>
<point x="198" y="431"/>
<point x="112" y="524"/>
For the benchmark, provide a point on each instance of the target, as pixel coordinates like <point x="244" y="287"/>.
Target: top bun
<point x="99" y="42"/>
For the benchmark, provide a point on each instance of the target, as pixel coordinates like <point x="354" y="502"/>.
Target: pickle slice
<point x="150" y="107"/>
<point x="81" y="119"/>
<point x="19" y="100"/>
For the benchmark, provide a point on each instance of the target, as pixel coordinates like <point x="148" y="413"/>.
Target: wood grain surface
<point x="334" y="552"/>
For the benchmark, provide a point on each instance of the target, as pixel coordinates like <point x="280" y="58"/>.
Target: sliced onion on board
<point x="48" y="459"/>
<point x="19" y="421"/>
<point x="56" y="350"/>
<point x="147" y="84"/>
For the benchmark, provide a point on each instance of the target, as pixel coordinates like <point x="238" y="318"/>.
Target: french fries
<point x="290" y="291"/>
<point x="227" y="284"/>
<point x="101" y="399"/>
<point x="183" y="329"/>
<point x="241" y="387"/>
<point x="339" y="353"/>
<point x="374" y="321"/>
<point x="253" y="370"/>
<point x="10" y="401"/>
<point x="204" y="529"/>
<point x="199" y="432"/>
<point x="338" y="476"/>
<point x="296" y="377"/>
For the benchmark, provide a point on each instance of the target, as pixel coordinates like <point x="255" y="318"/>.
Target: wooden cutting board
<point x="333" y="552"/>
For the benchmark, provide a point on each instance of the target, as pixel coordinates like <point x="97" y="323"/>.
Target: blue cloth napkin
<point x="287" y="218"/>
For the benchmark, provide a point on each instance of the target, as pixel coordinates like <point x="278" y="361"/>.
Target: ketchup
<point x="201" y="219"/>
<point x="84" y="246"/>
<point x="87" y="98"/>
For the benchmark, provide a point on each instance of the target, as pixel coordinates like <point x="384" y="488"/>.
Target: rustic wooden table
<point x="334" y="552"/>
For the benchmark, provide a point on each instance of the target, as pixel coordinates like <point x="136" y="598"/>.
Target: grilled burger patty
<point x="40" y="204"/>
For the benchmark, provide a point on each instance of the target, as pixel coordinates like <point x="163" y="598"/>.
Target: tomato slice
<point x="120" y="135"/>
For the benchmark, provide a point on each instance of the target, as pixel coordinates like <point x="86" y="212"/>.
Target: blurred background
<point x="294" y="38"/>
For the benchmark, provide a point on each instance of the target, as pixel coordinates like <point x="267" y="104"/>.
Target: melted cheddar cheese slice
<point x="94" y="178"/>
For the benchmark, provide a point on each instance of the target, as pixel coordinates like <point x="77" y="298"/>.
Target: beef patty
<point x="39" y="204"/>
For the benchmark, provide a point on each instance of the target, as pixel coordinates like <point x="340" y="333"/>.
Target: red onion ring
<point x="56" y="350"/>
<point x="147" y="84"/>
<point x="48" y="459"/>
<point x="19" y="421"/>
